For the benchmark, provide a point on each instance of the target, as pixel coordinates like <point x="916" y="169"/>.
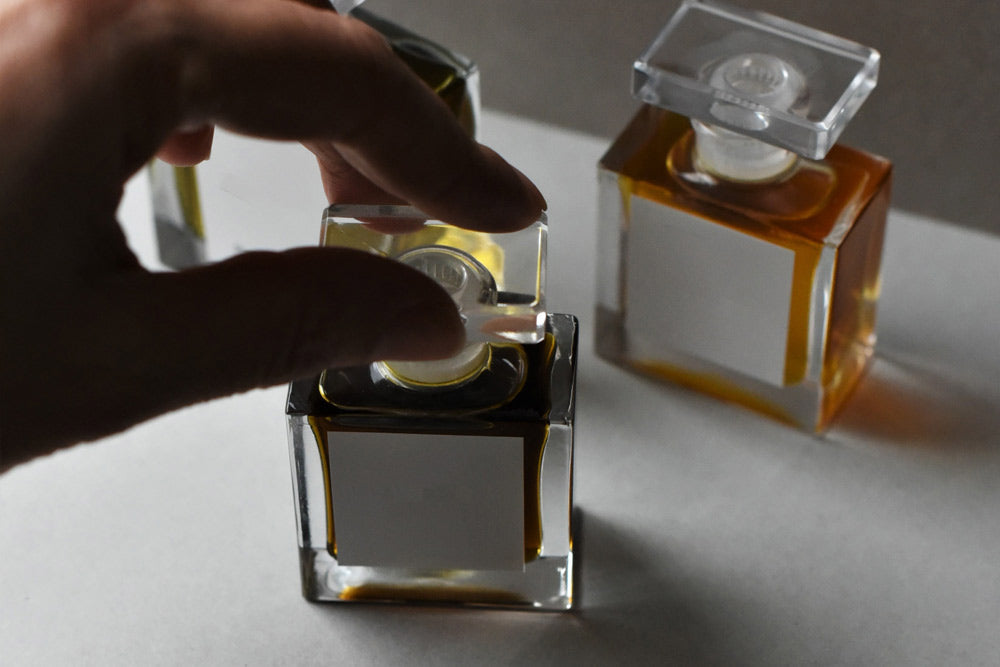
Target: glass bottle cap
<point x="756" y="74"/>
<point x="497" y="280"/>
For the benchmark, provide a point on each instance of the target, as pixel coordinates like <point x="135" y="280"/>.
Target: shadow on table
<point x="636" y="605"/>
<point x="633" y="605"/>
<point x="911" y="402"/>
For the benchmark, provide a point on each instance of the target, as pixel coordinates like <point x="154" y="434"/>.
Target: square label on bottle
<point x="420" y="500"/>
<point x="708" y="291"/>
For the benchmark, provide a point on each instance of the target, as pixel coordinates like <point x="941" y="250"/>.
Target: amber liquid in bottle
<point x="521" y="415"/>
<point x="836" y="205"/>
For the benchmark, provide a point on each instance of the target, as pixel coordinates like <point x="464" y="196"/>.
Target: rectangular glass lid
<point x="496" y="279"/>
<point x="756" y="74"/>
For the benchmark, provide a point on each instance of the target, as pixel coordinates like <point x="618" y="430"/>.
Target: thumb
<point x="143" y="344"/>
<point x="264" y="318"/>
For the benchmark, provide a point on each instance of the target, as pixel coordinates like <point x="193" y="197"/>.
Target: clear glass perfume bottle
<point x="446" y="481"/>
<point x="191" y="230"/>
<point x="739" y="245"/>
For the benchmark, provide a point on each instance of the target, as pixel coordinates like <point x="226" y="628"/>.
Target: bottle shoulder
<point x="545" y="394"/>
<point x="370" y="389"/>
<point x="654" y="159"/>
<point x="512" y="385"/>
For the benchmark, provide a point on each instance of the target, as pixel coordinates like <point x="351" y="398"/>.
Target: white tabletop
<point x="709" y="535"/>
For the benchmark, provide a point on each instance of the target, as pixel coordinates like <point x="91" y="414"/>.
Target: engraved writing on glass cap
<point x="758" y="75"/>
<point x="496" y="279"/>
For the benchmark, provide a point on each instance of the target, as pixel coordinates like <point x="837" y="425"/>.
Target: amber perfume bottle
<point x="739" y="245"/>
<point x="234" y="212"/>
<point x="446" y="481"/>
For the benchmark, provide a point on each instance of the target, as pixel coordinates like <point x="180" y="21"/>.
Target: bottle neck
<point x="735" y="157"/>
<point x="450" y="372"/>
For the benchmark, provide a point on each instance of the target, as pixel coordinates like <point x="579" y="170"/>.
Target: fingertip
<point x="534" y="195"/>
<point x="517" y="201"/>
<point x="488" y="195"/>
<point x="423" y="330"/>
<point x="185" y="148"/>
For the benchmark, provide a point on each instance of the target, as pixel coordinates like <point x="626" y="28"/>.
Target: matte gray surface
<point x="935" y="112"/>
<point x="711" y="536"/>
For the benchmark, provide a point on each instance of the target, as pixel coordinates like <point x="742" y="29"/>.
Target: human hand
<point x="91" y="342"/>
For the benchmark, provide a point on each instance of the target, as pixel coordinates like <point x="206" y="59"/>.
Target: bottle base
<point x="546" y="583"/>
<point x="808" y="405"/>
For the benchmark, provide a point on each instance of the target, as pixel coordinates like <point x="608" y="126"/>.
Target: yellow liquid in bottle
<point x="802" y="210"/>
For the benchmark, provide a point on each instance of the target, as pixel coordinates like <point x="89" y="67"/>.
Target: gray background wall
<point x="935" y="113"/>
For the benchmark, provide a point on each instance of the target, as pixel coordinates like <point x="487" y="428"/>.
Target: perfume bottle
<point x="446" y="481"/>
<point x="739" y="245"/>
<point x="235" y="212"/>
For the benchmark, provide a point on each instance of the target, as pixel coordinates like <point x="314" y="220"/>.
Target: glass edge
<point x="566" y="329"/>
<point x="768" y="22"/>
<point x="401" y="211"/>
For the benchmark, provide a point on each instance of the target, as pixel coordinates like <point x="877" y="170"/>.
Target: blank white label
<point x="428" y="500"/>
<point x="705" y="290"/>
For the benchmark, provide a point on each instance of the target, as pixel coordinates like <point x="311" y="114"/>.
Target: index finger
<point x="286" y="70"/>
